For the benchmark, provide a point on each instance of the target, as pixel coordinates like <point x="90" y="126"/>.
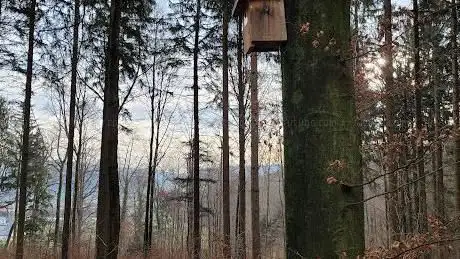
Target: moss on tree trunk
<point x="320" y="128"/>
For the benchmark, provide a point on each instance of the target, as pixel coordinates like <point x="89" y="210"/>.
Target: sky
<point x="11" y="86"/>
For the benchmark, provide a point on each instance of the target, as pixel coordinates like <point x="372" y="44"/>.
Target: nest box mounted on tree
<point x="264" y="24"/>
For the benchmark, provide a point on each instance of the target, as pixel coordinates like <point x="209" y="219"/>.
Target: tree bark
<point x="255" y="214"/>
<point x="26" y="133"/>
<point x="79" y="180"/>
<point x="196" y="139"/>
<point x="225" y="138"/>
<point x="70" y="138"/>
<point x="58" y="205"/>
<point x="241" y="217"/>
<point x="108" y="209"/>
<point x="148" y="202"/>
<point x="421" y="200"/>
<point x="438" y="157"/>
<point x="455" y="100"/>
<point x="319" y="117"/>
<point x="390" y="92"/>
<point x="75" y="201"/>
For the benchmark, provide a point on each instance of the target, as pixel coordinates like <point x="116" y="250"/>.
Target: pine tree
<point x="108" y="209"/>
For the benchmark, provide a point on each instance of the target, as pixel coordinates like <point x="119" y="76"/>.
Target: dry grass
<point x="85" y="253"/>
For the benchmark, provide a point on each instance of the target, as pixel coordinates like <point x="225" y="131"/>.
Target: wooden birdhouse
<point x="264" y="24"/>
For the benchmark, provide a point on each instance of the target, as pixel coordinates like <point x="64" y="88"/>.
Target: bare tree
<point x="79" y="176"/>
<point x="159" y="95"/>
<point x="58" y="165"/>
<point x="71" y="133"/>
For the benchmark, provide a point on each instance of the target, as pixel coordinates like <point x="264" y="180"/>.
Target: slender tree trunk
<point x="154" y="138"/>
<point x="77" y="198"/>
<point x="407" y="200"/>
<point x="10" y="234"/>
<point x="422" y="214"/>
<point x="208" y="204"/>
<point x="58" y="205"/>
<point x="267" y="203"/>
<point x="439" y="171"/>
<point x="196" y="140"/>
<point x="161" y="102"/>
<point x="392" y="198"/>
<point x="225" y="139"/>
<point x="16" y="201"/>
<point x="80" y="199"/>
<point x="281" y="190"/>
<point x="456" y="100"/>
<point x="124" y="203"/>
<point x="408" y="171"/>
<point x="152" y="187"/>
<point x="108" y="209"/>
<point x="319" y="117"/>
<point x="255" y="214"/>
<point x="71" y="132"/>
<point x="148" y="202"/>
<point x="189" y="189"/>
<point x="25" y="134"/>
<point x="74" y="207"/>
<point x="241" y="226"/>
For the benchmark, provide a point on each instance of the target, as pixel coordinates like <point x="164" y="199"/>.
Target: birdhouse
<point x="264" y="24"/>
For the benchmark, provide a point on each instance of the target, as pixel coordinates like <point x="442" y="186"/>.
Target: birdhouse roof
<point x="238" y="7"/>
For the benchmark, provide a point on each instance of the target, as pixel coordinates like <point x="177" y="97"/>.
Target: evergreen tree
<point x="108" y="209"/>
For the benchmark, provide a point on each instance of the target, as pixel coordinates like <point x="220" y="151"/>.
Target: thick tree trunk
<point x="241" y="217"/>
<point x="25" y="134"/>
<point x="319" y="131"/>
<point x="108" y="209"/>
<point x="196" y="139"/>
<point x="255" y="214"/>
<point x="225" y="138"/>
<point x="70" y="138"/>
